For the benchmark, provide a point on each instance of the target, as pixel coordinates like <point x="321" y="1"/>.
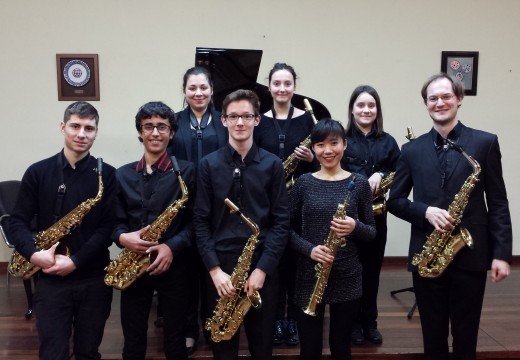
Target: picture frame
<point x="78" y="77"/>
<point x="462" y="65"/>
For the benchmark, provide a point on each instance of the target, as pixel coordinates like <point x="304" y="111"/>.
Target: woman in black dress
<point x="313" y="204"/>
<point x="281" y="130"/>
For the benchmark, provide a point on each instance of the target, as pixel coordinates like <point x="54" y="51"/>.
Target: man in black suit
<point x="436" y="172"/>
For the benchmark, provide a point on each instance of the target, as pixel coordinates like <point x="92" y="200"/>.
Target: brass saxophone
<point x="441" y="247"/>
<point x="291" y="163"/>
<point x="19" y="266"/>
<point x="333" y="242"/>
<point x="379" y="198"/>
<point x="128" y="266"/>
<point x="230" y="311"/>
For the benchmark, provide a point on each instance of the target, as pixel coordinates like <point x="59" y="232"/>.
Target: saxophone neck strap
<point x="199" y="128"/>
<point x="281" y="132"/>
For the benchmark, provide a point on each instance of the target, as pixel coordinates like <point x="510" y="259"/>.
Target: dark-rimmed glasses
<point x="245" y="117"/>
<point x="161" y="128"/>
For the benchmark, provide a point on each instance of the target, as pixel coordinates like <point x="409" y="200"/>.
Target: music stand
<point x="414" y="306"/>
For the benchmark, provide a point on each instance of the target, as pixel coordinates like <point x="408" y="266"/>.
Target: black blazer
<point x="181" y="144"/>
<point x="487" y="214"/>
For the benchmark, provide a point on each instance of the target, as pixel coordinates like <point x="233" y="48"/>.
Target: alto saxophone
<point x="230" y="311"/>
<point x="441" y="247"/>
<point x="128" y="266"/>
<point x="379" y="199"/>
<point x="291" y="163"/>
<point x="333" y="242"/>
<point x="19" y="266"/>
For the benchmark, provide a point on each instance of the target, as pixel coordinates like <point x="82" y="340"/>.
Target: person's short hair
<point x="197" y="70"/>
<point x="325" y="128"/>
<point x="155" y="108"/>
<point x="282" y="66"/>
<point x="239" y="95"/>
<point x="456" y="85"/>
<point x="378" y="123"/>
<point x="83" y="109"/>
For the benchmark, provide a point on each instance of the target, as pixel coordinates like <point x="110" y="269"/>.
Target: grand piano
<point x="233" y="69"/>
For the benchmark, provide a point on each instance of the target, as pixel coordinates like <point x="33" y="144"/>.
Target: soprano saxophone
<point x="230" y="311"/>
<point x="128" y="266"/>
<point x="441" y="247"/>
<point x="291" y="163"/>
<point x="333" y="242"/>
<point x="19" y="266"/>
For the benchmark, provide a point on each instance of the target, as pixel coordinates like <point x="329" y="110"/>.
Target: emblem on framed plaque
<point x="78" y="76"/>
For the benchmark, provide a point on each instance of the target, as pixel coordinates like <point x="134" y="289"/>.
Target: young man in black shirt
<point x="71" y="296"/>
<point x="253" y="179"/>
<point x="146" y="188"/>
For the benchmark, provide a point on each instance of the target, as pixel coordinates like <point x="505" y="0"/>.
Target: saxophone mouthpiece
<point x="308" y="108"/>
<point x="410" y="135"/>
<point x="175" y="165"/>
<point x="232" y="207"/>
<point x="100" y="166"/>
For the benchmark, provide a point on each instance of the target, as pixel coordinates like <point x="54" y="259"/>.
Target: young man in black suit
<point x="436" y="171"/>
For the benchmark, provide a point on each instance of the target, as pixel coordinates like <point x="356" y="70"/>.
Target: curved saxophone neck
<point x="233" y="209"/>
<point x="473" y="162"/>
<point x="100" y="179"/>
<point x="176" y="169"/>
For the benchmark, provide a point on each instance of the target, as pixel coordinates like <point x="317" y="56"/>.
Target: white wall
<point x="144" y="48"/>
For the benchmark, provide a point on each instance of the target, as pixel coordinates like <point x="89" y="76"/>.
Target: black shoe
<point x="357" y="337"/>
<point x="291" y="333"/>
<point x="279" y="334"/>
<point x="373" y="335"/>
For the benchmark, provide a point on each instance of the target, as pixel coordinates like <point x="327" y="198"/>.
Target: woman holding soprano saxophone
<point x="281" y="130"/>
<point x="313" y="202"/>
<point x="374" y="154"/>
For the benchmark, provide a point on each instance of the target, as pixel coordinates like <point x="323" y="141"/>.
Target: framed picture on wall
<point x="462" y="65"/>
<point x="78" y="77"/>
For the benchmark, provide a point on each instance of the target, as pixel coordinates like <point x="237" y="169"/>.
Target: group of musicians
<point x="239" y="156"/>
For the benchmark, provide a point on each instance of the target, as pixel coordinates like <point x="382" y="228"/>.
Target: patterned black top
<point x="313" y="203"/>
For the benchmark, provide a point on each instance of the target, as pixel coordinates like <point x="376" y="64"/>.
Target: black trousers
<point x="174" y="296"/>
<point x="63" y="304"/>
<point x="310" y="329"/>
<point x="371" y="256"/>
<point x="258" y="323"/>
<point x="454" y="298"/>
<point x="287" y="280"/>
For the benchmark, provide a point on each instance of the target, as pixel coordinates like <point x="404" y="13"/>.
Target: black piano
<point x="234" y="69"/>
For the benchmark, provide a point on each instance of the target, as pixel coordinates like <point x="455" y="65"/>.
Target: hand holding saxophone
<point x="222" y="282"/>
<point x="133" y="241"/>
<point x="343" y="227"/>
<point x="161" y="259"/>
<point x="44" y="258"/>
<point x="255" y="282"/>
<point x="322" y="254"/>
<point x="440" y="219"/>
<point x="63" y="266"/>
<point x="375" y="182"/>
<point x="303" y="153"/>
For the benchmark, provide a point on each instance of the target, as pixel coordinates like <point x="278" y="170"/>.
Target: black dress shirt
<point x="142" y="197"/>
<point x="369" y="154"/>
<point x="257" y="187"/>
<point x="89" y="241"/>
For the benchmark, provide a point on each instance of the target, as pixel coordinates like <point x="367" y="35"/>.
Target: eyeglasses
<point x="161" y="128"/>
<point x="444" y="98"/>
<point x="245" y="117"/>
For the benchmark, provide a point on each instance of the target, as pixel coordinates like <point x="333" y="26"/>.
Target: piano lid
<point x="233" y="69"/>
